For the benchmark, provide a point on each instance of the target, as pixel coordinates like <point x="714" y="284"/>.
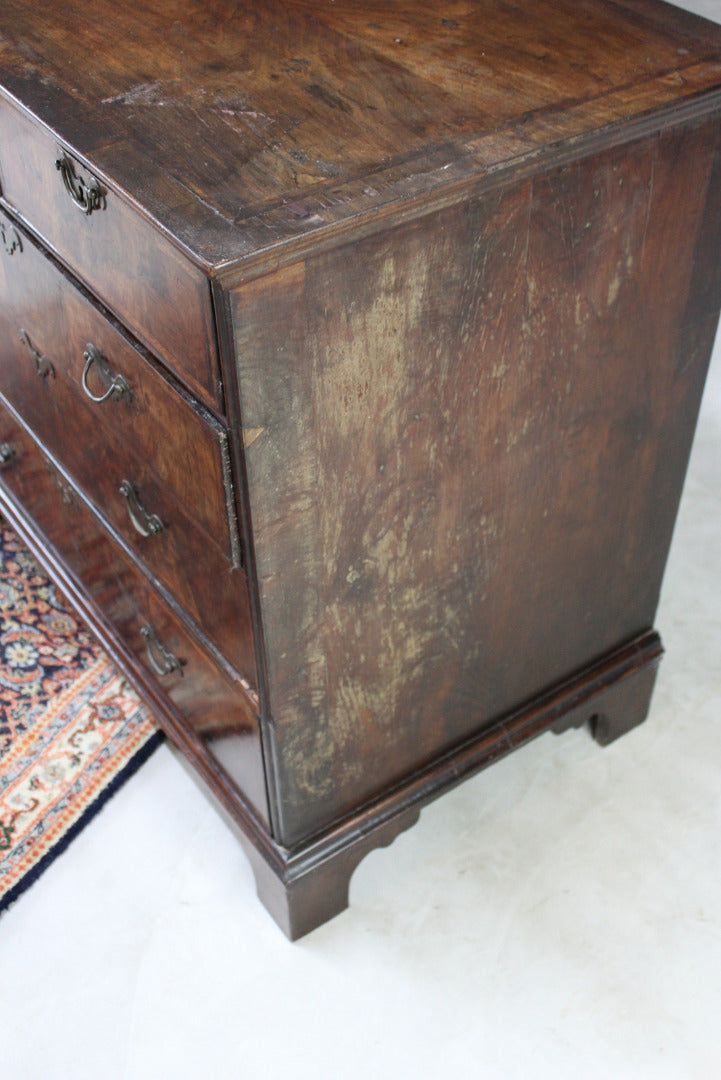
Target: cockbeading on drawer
<point x="213" y="704"/>
<point x="153" y="463"/>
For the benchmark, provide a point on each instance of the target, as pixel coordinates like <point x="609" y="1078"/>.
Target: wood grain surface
<point x="242" y="126"/>
<point x="445" y="277"/>
<point x="173" y="453"/>
<point x="466" y="442"/>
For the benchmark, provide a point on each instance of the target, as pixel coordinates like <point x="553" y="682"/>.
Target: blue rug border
<point x="88" y="814"/>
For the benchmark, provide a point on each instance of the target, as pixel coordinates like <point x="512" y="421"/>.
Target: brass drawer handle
<point x="43" y="366"/>
<point x="87" y="195"/>
<point x="143" y="522"/>
<point x="114" y="384"/>
<point x="7" y="453"/>
<point x="161" y="660"/>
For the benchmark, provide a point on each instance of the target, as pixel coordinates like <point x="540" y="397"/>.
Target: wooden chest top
<point x="243" y="127"/>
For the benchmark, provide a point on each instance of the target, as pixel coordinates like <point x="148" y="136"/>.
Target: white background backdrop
<point x="557" y="916"/>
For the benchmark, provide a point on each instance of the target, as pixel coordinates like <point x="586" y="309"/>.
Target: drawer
<point x="146" y="457"/>
<point x="220" y="709"/>
<point x="45" y="315"/>
<point x="119" y="253"/>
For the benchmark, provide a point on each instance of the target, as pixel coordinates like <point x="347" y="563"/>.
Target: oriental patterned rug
<point x="72" y="730"/>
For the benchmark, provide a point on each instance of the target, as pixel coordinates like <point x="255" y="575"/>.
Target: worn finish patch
<point x="462" y="420"/>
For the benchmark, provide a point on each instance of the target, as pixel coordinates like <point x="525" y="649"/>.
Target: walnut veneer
<point x="350" y="357"/>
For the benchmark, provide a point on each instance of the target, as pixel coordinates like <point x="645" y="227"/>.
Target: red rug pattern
<point x="71" y="727"/>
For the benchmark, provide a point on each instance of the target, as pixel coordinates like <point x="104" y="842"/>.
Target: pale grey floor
<point x="558" y="916"/>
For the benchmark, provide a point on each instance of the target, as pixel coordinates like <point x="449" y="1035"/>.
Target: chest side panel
<point x="465" y="445"/>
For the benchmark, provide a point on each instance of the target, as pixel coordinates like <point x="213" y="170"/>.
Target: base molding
<point x="305" y="887"/>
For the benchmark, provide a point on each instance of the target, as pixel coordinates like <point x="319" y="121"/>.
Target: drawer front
<point x="117" y="252"/>
<point x="154" y="467"/>
<point x="220" y="710"/>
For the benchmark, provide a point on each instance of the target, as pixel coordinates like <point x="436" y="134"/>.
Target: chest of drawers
<point x="350" y="357"/>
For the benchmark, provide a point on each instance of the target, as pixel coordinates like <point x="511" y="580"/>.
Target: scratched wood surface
<point x="241" y="126"/>
<point x="466" y="442"/>
<point x="447" y="275"/>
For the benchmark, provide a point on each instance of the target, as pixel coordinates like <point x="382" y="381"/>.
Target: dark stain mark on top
<point x="321" y="93"/>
